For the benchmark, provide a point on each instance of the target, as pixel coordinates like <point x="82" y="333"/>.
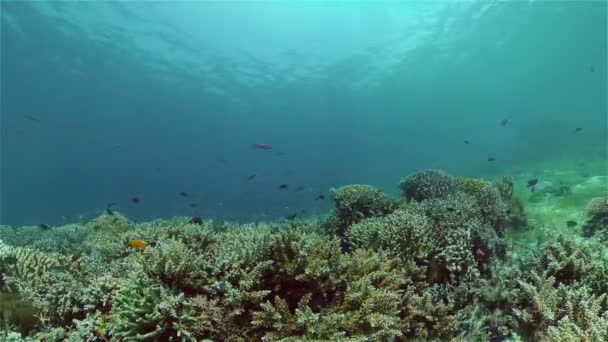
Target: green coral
<point x="428" y="184"/>
<point x="596" y="218"/>
<point x="357" y="202"/>
<point x="143" y="310"/>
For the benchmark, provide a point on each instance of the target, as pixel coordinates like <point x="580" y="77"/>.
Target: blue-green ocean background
<point x="147" y="99"/>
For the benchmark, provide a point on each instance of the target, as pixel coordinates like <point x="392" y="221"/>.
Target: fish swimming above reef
<point x="31" y="118"/>
<point x="283" y="186"/>
<point x="320" y="197"/>
<point x="491" y="159"/>
<point x="251" y="177"/>
<point x="505" y="121"/>
<point x="183" y="194"/>
<point x="578" y="129"/>
<point x="571" y="224"/>
<point x="44" y="226"/>
<point x="137" y="244"/>
<point x="196" y="220"/>
<point x="466" y="142"/>
<point x="532" y="184"/>
<point x="135" y="200"/>
<point x="263" y="146"/>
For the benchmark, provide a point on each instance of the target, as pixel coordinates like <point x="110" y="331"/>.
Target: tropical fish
<point x="44" y="226"/>
<point x="183" y="194"/>
<point x="466" y="142"/>
<point x="578" y="129"/>
<point x="505" y="121"/>
<point x="137" y="244"/>
<point x="320" y="197"/>
<point x="135" y="200"/>
<point x="571" y="224"/>
<point x="31" y="118"/>
<point x="283" y="186"/>
<point x="300" y="188"/>
<point x="263" y="146"/>
<point x="196" y="220"/>
<point x="491" y="159"/>
<point x="251" y="177"/>
<point x="591" y="68"/>
<point x="193" y="205"/>
<point x="532" y="183"/>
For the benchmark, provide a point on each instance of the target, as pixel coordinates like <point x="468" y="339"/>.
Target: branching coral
<point x="357" y="202"/>
<point x="404" y="233"/>
<point x="142" y="310"/>
<point x="428" y="184"/>
<point x="597" y="218"/>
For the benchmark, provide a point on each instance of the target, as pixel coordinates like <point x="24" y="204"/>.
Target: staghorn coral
<point x="597" y="218"/>
<point x="367" y="308"/>
<point x="357" y="202"/>
<point x="142" y="310"/>
<point x="404" y="233"/>
<point x="176" y="266"/>
<point x="431" y="269"/>
<point x="465" y="246"/>
<point x="428" y="184"/>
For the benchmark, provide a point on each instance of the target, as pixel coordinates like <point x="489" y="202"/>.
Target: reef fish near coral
<point x="532" y="184"/>
<point x="137" y="244"/>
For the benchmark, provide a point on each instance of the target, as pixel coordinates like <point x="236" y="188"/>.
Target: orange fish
<point x="137" y="244"/>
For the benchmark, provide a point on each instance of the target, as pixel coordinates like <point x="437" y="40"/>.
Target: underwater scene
<point x="303" y="171"/>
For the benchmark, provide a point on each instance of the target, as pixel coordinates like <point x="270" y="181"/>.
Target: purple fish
<point x="263" y="146"/>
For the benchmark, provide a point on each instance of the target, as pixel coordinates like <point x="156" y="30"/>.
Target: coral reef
<point x="357" y="202"/>
<point x="439" y="266"/>
<point x="428" y="184"/>
<point x="597" y="218"/>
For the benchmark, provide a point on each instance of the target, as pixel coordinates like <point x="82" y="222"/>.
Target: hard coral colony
<point x="435" y="264"/>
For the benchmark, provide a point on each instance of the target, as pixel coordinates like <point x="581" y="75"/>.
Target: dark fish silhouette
<point x="571" y="224"/>
<point x="283" y="186"/>
<point x="591" y="68"/>
<point x="183" y="194"/>
<point x="320" y="197"/>
<point x="109" y="211"/>
<point x="466" y="142"/>
<point x="31" y="118"/>
<point x="505" y="121"/>
<point x="153" y="243"/>
<point x="44" y="226"/>
<point x="196" y="220"/>
<point x="532" y="184"/>
<point x="300" y="188"/>
<point x="193" y="205"/>
<point x="578" y="129"/>
<point x="292" y="217"/>
<point x="135" y="200"/>
<point x="491" y="159"/>
<point x="263" y="146"/>
<point x="251" y="177"/>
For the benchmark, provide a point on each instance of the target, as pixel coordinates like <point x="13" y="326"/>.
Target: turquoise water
<point x="148" y="99"/>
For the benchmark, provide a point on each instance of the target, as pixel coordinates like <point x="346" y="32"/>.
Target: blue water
<point x="149" y="99"/>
